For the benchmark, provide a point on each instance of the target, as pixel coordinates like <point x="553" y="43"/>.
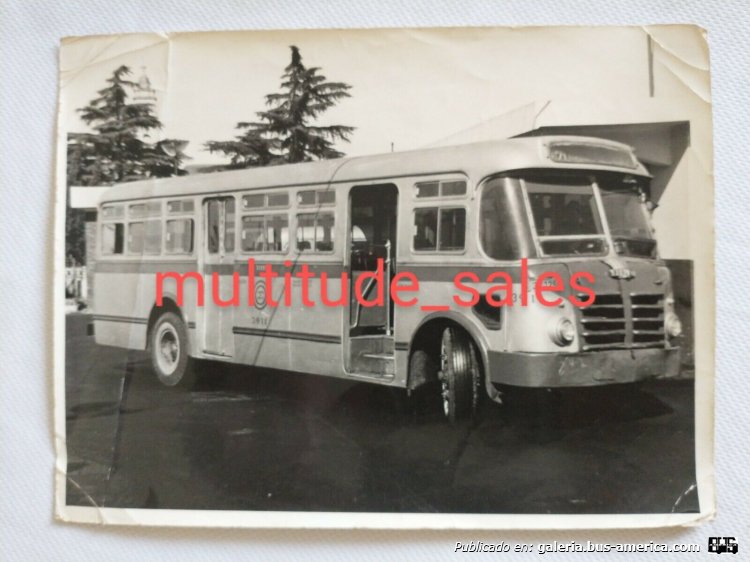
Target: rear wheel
<point x="459" y="375"/>
<point x="168" y="346"/>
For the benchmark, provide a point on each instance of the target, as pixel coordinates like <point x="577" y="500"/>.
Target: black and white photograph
<point x="385" y="278"/>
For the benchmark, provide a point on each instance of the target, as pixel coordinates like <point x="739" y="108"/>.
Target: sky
<point x="410" y="88"/>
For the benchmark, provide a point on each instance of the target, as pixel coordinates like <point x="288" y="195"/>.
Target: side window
<point x="425" y="229"/>
<point x="439" y="229"/>
<point x="113" y="238"/>
<point x="452" y="229"/>
<point x="265" y="233"/>
<point x="252" y="234"/>
<point x="152" y="237"/>
<point x="213" y="226"/>
<point x="144" y="235"/>
<point x="319" y="197"/>
<point x="229" y="225"/>
<point x="135" y="237"/>
<point x="113" y="212"/>
<point x="428" y="189"/>
<point x="451" y="188"/>
<point x="180" y="229"/>
<point x="140" y="210"/>
<point x="260" y="200"/>
<point x="324" y="232"/>
<point x="434" y="188"/>
<point x="306" y="198"/>
<point x="254" y="201"/>
<point x="326" y="197"/>
<point x="179" y="236"/>
<point x="277" y="233"/>
<point x="137" y="211"/>
<point x="220" y="224"/>
<point x="315" y="232"/>
<point x="278" y="199"/>
<point x="180" y="207"/>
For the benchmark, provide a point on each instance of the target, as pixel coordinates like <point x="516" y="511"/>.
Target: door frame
<point x="348" y="256"/>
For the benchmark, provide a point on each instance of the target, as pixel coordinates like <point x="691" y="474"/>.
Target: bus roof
<point x="476" y="160"/>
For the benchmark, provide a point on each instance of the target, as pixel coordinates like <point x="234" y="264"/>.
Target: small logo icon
<point x="260" y="295"/>
<point x="618" y="269"/>
<point x="622" y="273"/>
<point x="722" y="544"/>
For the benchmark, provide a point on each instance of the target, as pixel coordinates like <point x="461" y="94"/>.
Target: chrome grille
<point x="603" y="322"/>
<point x="613" y="323"/>
<point x="648" y="319"/>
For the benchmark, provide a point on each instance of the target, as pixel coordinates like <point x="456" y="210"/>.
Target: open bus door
<point x="373" y="212"/>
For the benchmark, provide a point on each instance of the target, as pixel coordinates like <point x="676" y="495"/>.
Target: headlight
<point x="672" y="325"/>
<point x="562" y="332"/>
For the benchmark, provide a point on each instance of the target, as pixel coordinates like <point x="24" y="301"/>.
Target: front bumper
<point x="582" y="369"/>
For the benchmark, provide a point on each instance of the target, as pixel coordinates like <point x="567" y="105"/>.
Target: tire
<point x="168" y="350"/>
<point x="459" y="376"/>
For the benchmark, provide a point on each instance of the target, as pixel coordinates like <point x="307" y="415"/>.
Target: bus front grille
<point x="612" y="322"/>
<point x="603" y="323"/>
<point x="648" y="319"/>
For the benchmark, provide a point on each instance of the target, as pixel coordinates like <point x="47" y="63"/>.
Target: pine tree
<point x="115" y="151"/>
<point x="284" y="132"/>
<point x="250" y="149"/>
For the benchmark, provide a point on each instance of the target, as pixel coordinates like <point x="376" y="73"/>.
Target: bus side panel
<point x="120" y="334"/>
<point x="318" y="358"/>
<point x="120" y="316"/>
<point x="318" y="348"/>
<point x="259" y="328"/>
<point x="295" y="337"/>
<point x="261" y="351"/>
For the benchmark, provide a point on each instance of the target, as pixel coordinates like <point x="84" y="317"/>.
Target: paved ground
<point x="261" y="440"/>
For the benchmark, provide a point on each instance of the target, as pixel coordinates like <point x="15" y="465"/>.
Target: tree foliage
<point x="116" y="150"/>
<point x="284" y="133"/>
<point x="75" y="235"/>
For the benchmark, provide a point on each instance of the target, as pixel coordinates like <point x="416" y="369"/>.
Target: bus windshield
<point x="568" y="220"/>
<point x="566" y="217"/>
<point x="628" y="223"/>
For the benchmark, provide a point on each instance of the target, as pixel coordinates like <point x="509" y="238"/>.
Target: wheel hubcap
<point x="167" y="349"/>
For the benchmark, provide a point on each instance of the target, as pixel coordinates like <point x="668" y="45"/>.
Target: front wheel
<point x="168" y="345"/>
<point x="459" y="375"/>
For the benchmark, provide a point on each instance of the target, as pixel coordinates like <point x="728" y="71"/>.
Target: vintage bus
<point x="522" y="206"/>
